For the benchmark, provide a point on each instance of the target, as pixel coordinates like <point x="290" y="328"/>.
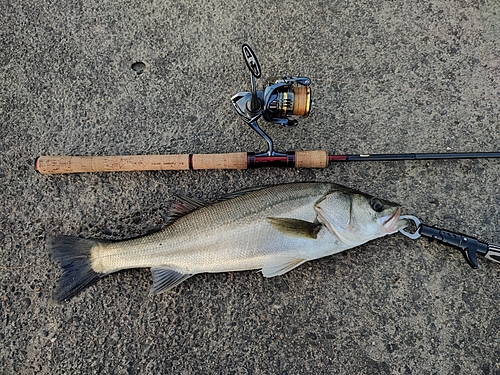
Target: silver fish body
<point x="274" y="229"/>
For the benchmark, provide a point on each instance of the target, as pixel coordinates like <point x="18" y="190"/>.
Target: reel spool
<point x="282" y="102"/>
<point x="288" y="96"/>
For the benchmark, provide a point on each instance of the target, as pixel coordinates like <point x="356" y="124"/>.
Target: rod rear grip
<point x="121" y="163"/>
<point x="130" y="163"/>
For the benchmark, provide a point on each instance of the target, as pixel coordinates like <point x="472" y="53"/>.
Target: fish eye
<point x="376" y="204"/>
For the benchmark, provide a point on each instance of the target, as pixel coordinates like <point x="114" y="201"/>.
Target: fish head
<point x="356" y="218"/>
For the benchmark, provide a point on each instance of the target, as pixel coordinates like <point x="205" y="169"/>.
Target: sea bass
<point x="274" y="229"/>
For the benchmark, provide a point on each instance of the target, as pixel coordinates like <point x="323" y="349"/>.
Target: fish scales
<point x="185" y="242"/>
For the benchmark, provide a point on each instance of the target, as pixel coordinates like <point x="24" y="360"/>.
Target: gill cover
<point x="351" y="218"/>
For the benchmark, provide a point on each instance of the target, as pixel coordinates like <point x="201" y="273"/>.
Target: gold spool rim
<point x="301" y="101"/>
<point x="308" y="101"/>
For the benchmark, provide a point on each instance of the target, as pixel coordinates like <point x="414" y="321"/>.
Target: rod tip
<point x="36" y="164"/>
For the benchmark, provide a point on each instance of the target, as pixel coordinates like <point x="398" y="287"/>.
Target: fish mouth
<point x="393" y="222"/>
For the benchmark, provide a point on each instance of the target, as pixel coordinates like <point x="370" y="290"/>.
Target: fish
<point x="273" y="229"/>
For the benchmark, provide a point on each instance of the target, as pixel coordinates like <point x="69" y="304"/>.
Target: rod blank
<point x="421" y="156"/>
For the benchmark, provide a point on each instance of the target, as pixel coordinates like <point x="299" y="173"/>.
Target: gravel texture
<point x="139" y="77"/>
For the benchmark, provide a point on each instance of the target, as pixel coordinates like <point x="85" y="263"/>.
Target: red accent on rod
<point x="271" y="159"/>
<point x="337" y="158"/>
<point x="255" y="161"/>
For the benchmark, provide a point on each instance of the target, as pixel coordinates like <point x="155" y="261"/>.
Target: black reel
<point x="288" y="96"/>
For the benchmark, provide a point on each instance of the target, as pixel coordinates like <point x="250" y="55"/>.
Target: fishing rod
<point x="276" y="103"/>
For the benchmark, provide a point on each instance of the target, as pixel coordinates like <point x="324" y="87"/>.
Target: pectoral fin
<point x="295" y="227"/>
<point x="165" y="279"/>
<point x="281" y="265"/>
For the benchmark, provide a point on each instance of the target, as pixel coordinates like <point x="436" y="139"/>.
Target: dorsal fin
<point x="241" y="192"/>
<point x="185" y="205"/>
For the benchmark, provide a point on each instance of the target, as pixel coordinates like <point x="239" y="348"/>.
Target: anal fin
<point x="165" y="279"/>
<point x="281" y="265"/>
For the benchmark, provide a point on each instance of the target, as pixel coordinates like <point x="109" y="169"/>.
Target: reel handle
<point x="129" y="163"/>
<point x="254" y="106"/>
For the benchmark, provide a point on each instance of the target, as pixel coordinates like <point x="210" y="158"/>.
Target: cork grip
<point x="235" y="160"/>
<point x="78" y="164"/>
<point x="123" y="163"/>
<point x="311" y="159"/>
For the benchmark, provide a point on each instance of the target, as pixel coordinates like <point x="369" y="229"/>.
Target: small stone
<point x="106" y="231"/>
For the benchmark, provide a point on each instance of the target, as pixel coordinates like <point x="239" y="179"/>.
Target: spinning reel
<point x="288" y="96"/>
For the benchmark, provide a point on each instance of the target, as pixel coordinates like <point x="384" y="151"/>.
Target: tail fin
<point x="72" y="254"/>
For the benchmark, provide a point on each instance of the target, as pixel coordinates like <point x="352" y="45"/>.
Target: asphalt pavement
<point x="156" y="77"/>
